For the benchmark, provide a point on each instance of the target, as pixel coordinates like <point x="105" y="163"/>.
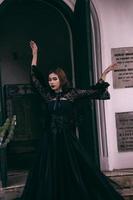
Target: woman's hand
<point x="34" y="49"/>
<point x="108" y="69"/>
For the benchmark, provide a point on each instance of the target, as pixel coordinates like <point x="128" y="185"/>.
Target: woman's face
<point x="54" y="81"/>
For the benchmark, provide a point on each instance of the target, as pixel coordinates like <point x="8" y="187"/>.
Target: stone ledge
<point x="119" y="172"/>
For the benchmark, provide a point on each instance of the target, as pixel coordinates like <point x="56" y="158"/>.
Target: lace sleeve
<point x="38" y="82"/>
<point x="98" y="91"/>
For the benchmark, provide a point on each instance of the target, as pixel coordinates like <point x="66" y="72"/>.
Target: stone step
<point x="16" y="181"/>
<point x="124" y="181"/>
<point x="124" y="178"/>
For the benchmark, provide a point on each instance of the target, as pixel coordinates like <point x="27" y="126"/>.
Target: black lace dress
<point x="62" y="170"/>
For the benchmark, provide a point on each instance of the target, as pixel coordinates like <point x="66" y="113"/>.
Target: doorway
<point x="58" y="33"/>
<point x="21" y="22"/>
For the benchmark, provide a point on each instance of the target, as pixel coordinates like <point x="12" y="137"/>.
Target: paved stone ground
<point x="16" y="181"/>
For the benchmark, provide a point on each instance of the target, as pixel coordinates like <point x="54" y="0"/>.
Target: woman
<point x="62" y="170"/>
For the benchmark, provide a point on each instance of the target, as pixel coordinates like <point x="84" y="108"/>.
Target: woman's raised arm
<point x="37" y="78"/>
<point x="34" y="49"/>
<point x="107" y="70"/>
<point x="99" y="90"/>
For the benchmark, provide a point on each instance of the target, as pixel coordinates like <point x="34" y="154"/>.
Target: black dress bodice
<point x="60" y="106"/>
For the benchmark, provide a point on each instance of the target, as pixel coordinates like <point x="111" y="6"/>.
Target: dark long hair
<point x="65" y="84"/>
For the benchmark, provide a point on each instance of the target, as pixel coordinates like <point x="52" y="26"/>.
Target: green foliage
<point x="7" y="131"/>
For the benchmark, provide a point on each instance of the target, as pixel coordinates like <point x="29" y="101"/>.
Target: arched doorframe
<point x="67" y="13"/>
<point x="100" y="109"/>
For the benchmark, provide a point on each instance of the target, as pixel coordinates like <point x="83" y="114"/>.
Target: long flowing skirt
<point x="63" y="171"/>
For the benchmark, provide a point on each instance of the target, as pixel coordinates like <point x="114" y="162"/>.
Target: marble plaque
<point x="124" y="126"/>
<point x="123" y="74"/>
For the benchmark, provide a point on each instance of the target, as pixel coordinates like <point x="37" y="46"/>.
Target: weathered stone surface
<point x="123" y="182"/>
